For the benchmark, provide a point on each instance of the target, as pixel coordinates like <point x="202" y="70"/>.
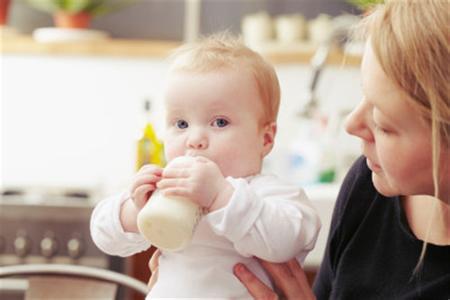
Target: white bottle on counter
<point x="169" y="223"/>
<point x="257" y="29"/>
<point x="290" y="28"/>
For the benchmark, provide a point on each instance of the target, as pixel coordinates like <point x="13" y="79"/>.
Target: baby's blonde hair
<point x="223" y="50"/>
<point x="411" y="40"/>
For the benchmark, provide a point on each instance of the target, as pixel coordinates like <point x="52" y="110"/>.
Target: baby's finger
<point x="141" y="194"/>
<point x="175" y="191"/>
<point x="144" y="179"/>
<point x="171" y="182"/>
<point x="148" y="173"/>
<point x="150" y="168"/>
<point x="176" y="173"/>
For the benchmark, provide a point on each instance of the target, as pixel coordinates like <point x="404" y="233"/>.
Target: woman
<point x="382" y="245"/>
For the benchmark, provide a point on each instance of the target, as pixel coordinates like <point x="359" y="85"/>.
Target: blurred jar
<point x="257" y="28"/>
<point x="319" y="29"/>
<point x="290" y="28"/>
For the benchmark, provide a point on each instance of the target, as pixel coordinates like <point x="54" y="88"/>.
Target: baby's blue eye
<point x="182" y="124"/>
<point x="220" y="122"/>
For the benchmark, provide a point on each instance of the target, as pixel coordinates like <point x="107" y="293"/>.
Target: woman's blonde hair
<point x="411" y="40"/>
<point x="223" y="50"/>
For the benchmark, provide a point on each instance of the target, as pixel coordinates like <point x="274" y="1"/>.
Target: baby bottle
<point x="169" y="222"/>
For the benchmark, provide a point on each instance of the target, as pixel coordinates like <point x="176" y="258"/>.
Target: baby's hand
<point x="144" y="183"/>
<point x="198" y="179"/>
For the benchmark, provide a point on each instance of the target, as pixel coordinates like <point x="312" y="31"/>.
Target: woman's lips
<point x="372" y="166"/>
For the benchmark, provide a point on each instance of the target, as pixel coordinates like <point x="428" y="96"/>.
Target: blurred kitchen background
<point x="72" y="110"/>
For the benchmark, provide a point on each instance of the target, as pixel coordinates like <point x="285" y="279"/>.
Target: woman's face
<point x="395" y="138"/>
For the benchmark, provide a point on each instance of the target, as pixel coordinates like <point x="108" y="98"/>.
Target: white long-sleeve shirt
<point x="264" y="218"/>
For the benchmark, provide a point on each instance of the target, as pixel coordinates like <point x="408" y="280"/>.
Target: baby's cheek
<point x="237" y="164"/>
<point x="171" y="152"/>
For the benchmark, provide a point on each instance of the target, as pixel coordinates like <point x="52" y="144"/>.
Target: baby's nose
<point x="197" y="140"/>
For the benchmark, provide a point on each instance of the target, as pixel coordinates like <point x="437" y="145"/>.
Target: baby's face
<point x="216" y="115"/>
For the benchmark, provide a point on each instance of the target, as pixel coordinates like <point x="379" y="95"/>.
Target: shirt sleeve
<point x="268" y="219"/>
<point x="107" y="231"/>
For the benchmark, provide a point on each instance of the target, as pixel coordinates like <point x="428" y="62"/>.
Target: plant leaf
<point x="108" y="6"/>
<point x="93" y="7"/>
<point x="75" y="6"/>
<point x="364" y="4"/>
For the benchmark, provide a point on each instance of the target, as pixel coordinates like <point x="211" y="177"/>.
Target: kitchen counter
<point x="276" y="53"/>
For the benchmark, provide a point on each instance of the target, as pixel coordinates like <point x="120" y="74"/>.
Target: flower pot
<point x="4" y="7"/>
<point x="67" y="20"/>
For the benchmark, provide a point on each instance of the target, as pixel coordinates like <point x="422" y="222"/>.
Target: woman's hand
<point x="289" y="278"/>
<point x="153" y="264"/>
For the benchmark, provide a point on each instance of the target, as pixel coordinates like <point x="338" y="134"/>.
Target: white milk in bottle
<point x="169" y="222"/>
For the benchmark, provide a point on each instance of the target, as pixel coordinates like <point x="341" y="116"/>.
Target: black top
<point x="371" y="251"/>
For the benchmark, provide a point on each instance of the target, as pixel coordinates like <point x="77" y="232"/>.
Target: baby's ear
<point x="269" y="132"/>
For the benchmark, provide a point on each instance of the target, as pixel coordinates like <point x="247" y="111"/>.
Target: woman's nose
<point x="357" y="122"/>
<point x="197" y="140"/>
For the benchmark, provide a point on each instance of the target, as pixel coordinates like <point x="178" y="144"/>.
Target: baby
<point x="222" y="102"/>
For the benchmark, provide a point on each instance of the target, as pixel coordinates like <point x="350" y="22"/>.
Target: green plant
<point x="365" y="4"/>
<point x="92" y="7"/>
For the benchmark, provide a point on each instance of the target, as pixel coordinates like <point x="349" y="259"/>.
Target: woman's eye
<point x="220" y="122"/>
<point x="182" y="124"/>
<point x="381" y="129"/>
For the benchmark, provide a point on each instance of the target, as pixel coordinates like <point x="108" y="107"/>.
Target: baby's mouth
<point x="191" y="153"/>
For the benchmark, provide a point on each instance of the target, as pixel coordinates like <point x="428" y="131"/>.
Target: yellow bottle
<point x="150" y="150"/>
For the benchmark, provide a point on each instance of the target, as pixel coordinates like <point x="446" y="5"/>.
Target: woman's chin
<point x="382" y="186"/>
